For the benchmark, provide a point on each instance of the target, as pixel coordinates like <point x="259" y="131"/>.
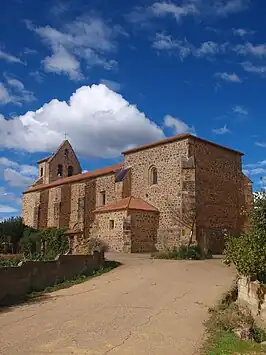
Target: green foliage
<point x="10" y="260"/>
<point x="11" y="231"/>
<point x="192" y="252"/>
<point x="44" y="244"/>
<point x="248" y="252"/>
<point x="258" y="334"/>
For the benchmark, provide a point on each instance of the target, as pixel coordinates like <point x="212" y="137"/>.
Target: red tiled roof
<point x="128" y="203"/>
<point x="75" y="178"/>
<point x="174" y="139"/>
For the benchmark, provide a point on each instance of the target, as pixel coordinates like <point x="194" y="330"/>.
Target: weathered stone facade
<point x="181" y="188"/>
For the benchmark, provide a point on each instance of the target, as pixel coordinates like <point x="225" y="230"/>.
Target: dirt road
<point x="143" y="307"/>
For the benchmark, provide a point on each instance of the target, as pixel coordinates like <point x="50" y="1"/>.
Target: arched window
<point x="59" y="170"/>
<point x="66" y="153"/>
<point x="70" y="171"/>
<point x="153" y="176"/>
<point x="41" y="174"/>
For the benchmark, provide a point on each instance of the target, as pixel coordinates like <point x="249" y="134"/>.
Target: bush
<point x="44" y="244"/>
<point x="248" y="252"/>
<point x="182" y="253"/>
<point x="11" y="231"/>
<point x="258" y="334"/>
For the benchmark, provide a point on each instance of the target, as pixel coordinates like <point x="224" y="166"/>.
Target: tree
<point x="248" y="252"/>
<point x="11" y="231"/>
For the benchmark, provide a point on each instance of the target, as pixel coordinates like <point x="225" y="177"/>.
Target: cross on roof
<point x="66" y="135"/>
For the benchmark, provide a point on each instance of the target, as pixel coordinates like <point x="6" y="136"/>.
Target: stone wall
<point x="16" y="282"/>
<point x="253" y="295"/>
<point x="30" y="205"/>
<point x="144" y="225"/>
<point x="219" y="193"/>
<point x="166" y="195"/>
<point x="113" y="237"/>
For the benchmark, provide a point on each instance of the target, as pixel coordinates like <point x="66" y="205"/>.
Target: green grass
<point x="226" y="343"/>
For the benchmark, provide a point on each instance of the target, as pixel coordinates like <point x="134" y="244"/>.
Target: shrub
<point x="11" y="231"/>
<point x="258" y="334"/>
<point x="248" y="252"/>
<point x="192" y="252"/>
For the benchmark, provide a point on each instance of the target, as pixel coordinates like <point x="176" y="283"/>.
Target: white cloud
<point x="261" y="144"/>
<point x="257" y="171"/>
<point x="111" y="84"/>
<point x="9" y="57"/>
<point x="87" y="38"/>
<point x="179" y="126"/>
<point x="7" y="209"/>
<point x="248" y="48"/>
<point x="4" y="94"/>
<point x="178" y="11"/>
<point x="16" y="174"/>
<point x="233" y="77"/>
<point x="62" y="62"/>
<point x="17" y="91"/>
<point x="99" y="123"/>
<point x="201" y="8"/>
<point x="207" y="49"/>
<point x="240" y="110"/>
<point x="16" y="179"/>
<point x="242" y="32"/>
<point x="222" y="130"/>
<point x="257" y="69"/>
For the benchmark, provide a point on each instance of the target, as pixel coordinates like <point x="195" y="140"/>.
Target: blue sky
<point x="117" y="74"/>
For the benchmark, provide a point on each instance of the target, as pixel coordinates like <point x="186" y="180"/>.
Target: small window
<point x="70" y="171"/>
<point x="153" y="176"/>
<point x="102" y="198"/>
<point x="66" y="153"/>
<point x="41" y="173"/>
<point x="59" y="170"/>
<point x="111" y="224"/>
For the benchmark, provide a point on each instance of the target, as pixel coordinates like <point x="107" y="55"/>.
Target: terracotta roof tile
<point x="174" y="139"/>
<point x="128" y="203"/>
<point x="76" y="178"/>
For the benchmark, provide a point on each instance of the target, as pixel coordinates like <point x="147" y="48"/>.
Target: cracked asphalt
<point x="143" y="307"/>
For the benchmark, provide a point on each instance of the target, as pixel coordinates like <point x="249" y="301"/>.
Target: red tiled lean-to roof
<point x="76" y="178"/>
<point x="174" y="139"/>
<point x="128" y="203"/>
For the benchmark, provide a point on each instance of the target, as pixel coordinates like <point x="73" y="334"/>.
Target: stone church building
<point x="160" y="196"/>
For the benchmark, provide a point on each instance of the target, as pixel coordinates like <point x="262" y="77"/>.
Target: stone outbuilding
<point x="128" y="225"/>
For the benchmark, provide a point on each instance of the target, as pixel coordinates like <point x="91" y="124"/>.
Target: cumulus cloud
<point x="87" y="38"/>
<point x="178" y="125"/>
<point x="9" y="57"/>
<point x="111" y="84"/>
<point x="222" y="130"/>
<point x="231" y="77"/>
<point x="99" y="123"/>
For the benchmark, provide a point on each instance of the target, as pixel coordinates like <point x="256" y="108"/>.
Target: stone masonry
<point x="162" y="195"/>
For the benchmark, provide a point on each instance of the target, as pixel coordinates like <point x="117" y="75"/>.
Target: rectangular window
<point x="111" y="224"/>
<point x="41" y="172"/>
<point x="102" y="198"/>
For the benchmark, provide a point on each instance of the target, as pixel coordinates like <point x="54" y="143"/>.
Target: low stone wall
<point x="253" y="295"/>
<point x="17" y="281"/>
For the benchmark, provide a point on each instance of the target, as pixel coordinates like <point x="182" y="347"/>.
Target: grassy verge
<point x="225" y="318"/>
<point x="36" y="296"/>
